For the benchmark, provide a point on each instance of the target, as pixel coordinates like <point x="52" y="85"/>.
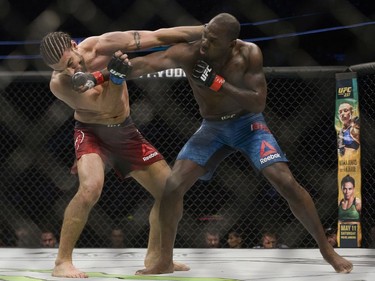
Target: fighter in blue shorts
<point x="230" y="104"/>
<point x="215" y="140"/>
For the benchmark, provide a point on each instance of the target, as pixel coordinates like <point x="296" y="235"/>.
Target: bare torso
<point x="104" y="107"/>
<point x="245" y="89"/>
<point x="215" y="104"/>
<point x="102" y="104"/>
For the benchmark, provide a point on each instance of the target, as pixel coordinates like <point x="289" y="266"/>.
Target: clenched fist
<point x="119" y="67"/>
<point x="205" y="75"/>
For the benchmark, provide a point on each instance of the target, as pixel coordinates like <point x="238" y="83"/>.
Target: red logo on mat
<point x="266" y="149"/>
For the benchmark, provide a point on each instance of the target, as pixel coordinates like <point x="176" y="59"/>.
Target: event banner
<point x="347" y="125"/>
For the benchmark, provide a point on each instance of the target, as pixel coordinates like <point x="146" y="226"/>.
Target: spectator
<point x="48" y="239"/>
<point x="331" y="234"/>
<point x="117" y="238"/>
<point x="27" y="236"/>
<point x="212" y="239"/>
<point x="235" y="240"/>
<point x="270" y="240"/>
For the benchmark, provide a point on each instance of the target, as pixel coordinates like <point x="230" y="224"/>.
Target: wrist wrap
<point x="217" y="83"/>
<point x="116" y="80"/>
<point x="98" y="75"/>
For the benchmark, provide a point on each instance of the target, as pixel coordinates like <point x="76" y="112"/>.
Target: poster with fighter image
<point x="347" y="125"/>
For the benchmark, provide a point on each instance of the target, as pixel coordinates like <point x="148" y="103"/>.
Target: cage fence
<point x="37" y="152"/>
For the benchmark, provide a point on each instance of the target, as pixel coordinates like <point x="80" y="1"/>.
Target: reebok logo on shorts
<point x="148" y="152"/>
<point x="267" y="152"/>
<point x="266" y="149"/>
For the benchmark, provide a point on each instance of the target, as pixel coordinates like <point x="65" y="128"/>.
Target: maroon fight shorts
<point x="121" y="146"/>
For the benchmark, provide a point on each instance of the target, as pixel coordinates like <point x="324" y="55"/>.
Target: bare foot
<point x="67" y="269"/>
<point x="156" y="269"/>
<point x="340" y="264"/>
<point x="178" y="266"/>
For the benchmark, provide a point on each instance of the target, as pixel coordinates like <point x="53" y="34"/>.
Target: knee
<point x="289" y="188"/>
<point x="89" y="192"/>
<point x="283" y="180"/>
<point x="175" y="186"/>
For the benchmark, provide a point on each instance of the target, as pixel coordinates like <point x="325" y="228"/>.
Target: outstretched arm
<point x="169" y="36"/>
<point x="156" y="61"/>
<point x="133" y="40"/>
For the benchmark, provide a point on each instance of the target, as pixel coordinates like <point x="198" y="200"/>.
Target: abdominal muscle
<point x="106" y="109"/>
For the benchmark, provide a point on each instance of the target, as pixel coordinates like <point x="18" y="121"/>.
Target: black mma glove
<point x="118" y="70"/>
<point x="84" y="81"/>
<point x="204" y="74"/>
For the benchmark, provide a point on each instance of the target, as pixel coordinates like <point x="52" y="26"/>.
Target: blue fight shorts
<point x="216" y="140"/>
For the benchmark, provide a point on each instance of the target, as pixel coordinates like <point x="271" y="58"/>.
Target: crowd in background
<point x="27" y="237"/>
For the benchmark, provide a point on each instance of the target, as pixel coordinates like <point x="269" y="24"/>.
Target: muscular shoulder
<point x="185" y="53"/>
<point x="89" y="44"/>
<point x="107" y="43"/>
<point x="184" y="49"/>
<point x="95" y="53"/>
<point x="181" y="54"/>
<point x="250" y="52"/>
<point x="249" y="47"/>
<point x="58" y="82"/>
<point x="60" y="86"/>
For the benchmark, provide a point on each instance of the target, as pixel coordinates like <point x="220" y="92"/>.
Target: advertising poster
<point x="347" y="125"/>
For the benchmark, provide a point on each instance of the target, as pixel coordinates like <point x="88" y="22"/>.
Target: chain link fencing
<point x="36" y="153"/>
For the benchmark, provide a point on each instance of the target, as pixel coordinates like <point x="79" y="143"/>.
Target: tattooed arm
<point x="132" y="40"/>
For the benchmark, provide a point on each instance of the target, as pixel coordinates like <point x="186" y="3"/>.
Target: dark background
<point x="261" y="21"/>
<point x="34" y="122"/>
